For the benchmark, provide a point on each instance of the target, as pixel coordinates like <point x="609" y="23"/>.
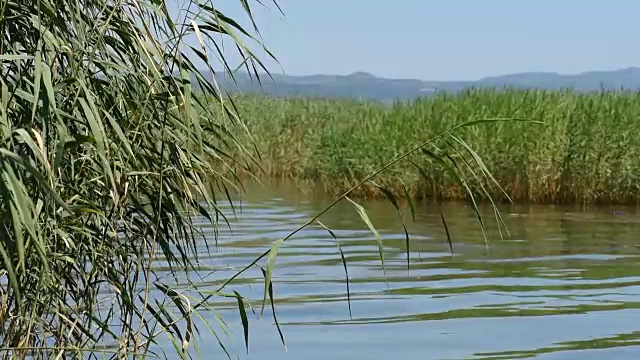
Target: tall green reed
<point x="584" y="152"/>
<point x="103" y="164"/>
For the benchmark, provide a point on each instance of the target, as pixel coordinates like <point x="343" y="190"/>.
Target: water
<point x="565" y="283"/>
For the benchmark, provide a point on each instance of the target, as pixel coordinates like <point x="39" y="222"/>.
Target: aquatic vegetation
<point x="582" y="150"/>
<point x="102" y="167"/>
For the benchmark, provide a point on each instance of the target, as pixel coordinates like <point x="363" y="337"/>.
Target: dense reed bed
<point x="587" y="150"/>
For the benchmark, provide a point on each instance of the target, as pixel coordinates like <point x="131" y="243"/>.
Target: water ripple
<point x="554" y="289"/>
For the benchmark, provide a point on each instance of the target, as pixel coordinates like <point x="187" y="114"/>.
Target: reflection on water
<point x="564" y="284"/>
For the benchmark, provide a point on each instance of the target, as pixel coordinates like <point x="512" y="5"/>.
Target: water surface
<point x="563" y="284"/>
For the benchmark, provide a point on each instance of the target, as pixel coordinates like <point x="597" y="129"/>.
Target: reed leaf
<point x="111" y="141"/>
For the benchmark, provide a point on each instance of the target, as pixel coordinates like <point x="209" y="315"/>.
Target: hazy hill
<point x="367" y="86"/>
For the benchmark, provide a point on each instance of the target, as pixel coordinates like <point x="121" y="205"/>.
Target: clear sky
<point x="449" y="39"/>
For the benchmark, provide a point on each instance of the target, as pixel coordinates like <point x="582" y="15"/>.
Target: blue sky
<point x="448" y="40"/>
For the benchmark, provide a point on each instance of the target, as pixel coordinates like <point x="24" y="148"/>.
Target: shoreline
<point x="315" y="189"/>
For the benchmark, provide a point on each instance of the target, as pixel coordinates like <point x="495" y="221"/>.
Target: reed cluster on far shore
<point x="587" y="150"/>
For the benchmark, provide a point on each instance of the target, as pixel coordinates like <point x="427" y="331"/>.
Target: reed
<point x="586" y="150"/>
<point x="103" y="168"/>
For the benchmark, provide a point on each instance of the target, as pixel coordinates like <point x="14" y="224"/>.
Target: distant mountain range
<point x="362" y="85"/>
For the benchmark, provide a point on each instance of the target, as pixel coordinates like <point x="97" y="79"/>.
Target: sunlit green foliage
<point x="102" y="163"/>
<point x="586" y="150"/>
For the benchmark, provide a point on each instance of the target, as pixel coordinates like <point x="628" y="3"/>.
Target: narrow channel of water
<point x="565" y="283"/>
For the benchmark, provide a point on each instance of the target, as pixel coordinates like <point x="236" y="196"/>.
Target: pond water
<point x="563" y="284"/>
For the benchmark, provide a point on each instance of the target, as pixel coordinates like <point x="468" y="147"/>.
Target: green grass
<point x="587" y="150"/>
